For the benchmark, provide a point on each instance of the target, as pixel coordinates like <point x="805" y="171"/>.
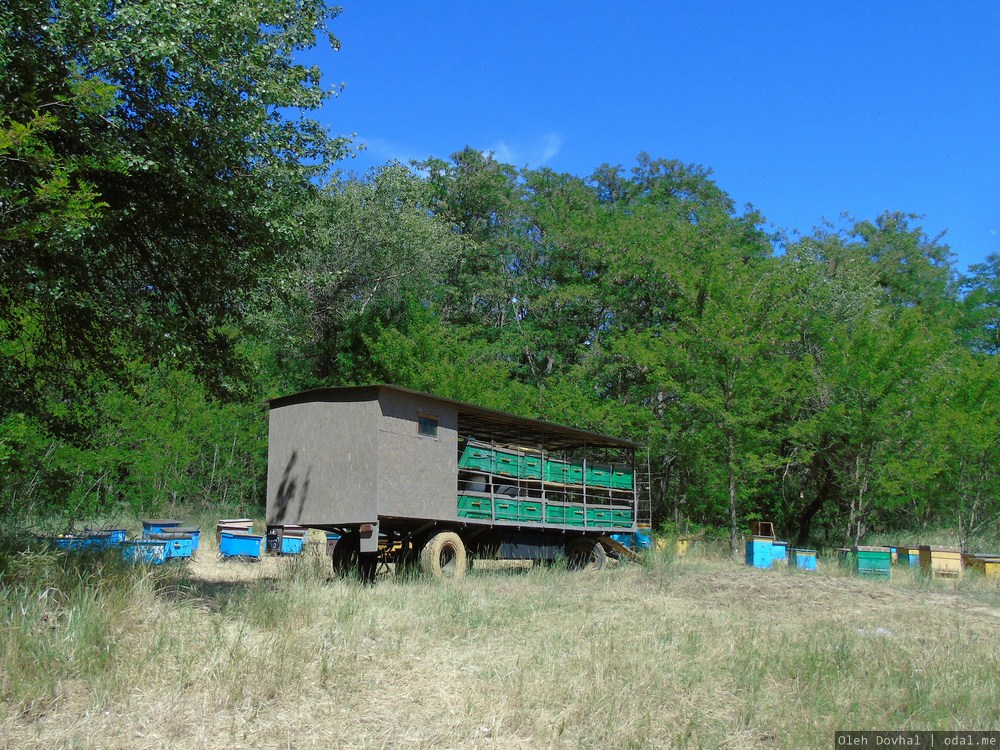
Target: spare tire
<point x="584" y="553"/>
<point x="444" y="556"/>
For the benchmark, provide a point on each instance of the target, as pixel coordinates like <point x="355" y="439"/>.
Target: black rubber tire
<point x="368" y="567"/>
<point x="444" y="556"/>
<point x="585" y="554"/>
<point x="346" y="555"/>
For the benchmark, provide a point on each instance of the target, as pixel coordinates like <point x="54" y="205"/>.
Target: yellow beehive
<point x="940" y="562"/>
<point x="988" y="565"/>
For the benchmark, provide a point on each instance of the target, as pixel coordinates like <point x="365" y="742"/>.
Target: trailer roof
<point x="473" y="421"/>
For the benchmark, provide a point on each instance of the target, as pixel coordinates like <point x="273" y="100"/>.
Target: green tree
<point x="371" y="252"/>
<point x="873" y="326"/>
<point x="151" y="160"/>
<point x="981" y="306"/>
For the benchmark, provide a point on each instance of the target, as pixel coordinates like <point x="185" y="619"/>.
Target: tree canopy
<point x="175" y="247"/>
<point x="153" y="162"/>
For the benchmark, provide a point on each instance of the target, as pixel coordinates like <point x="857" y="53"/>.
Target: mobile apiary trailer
<point x="411" y="478"/>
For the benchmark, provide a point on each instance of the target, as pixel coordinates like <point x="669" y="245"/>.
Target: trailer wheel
<point x="585" y="554"/>
<point x="346" y="555"/>
<point x="443" y="556"/>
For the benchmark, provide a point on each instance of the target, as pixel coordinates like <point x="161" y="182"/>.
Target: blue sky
<point x="804" y="109"/>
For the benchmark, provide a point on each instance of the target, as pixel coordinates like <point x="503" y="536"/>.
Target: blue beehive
<point x="292" y="544"/>
<point x="191" y="531"/>
<point x="87" y="541"/>
<point x="104" y="538"/>
<point x="116" y="536"/>
<point x="158" y="525"/>
<point x="145" y="551"/>
<point x="803" y="559"/>
<point x="72" y="542"/>
<point x="178" y="545"/>
<point x="779" y="551"/>
<point x="639" y="539"/>
<point x="759" y="552"/>
<point x="240" y="544"/>
<point x="285" y="540"/>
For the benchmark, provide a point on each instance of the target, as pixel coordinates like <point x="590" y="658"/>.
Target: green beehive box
<point x="556" y="471"/>
<point x="574" y="516"/>
<point x="506" y="463"/>
<point x="621" y="517"/>
<point x="598" y="475"/>
<point x="530" y="510"/>
<point x="621" y="479"/>
<point x="477" y="456"/>
<point x="601" y="517"/>
<point x="872" y="562"/>
<point x="474" y="507"/>
<point x="505" y="510"/>
<point x="531" y="466"/>
<point x="575" y="474"/>
<point x="555" y="513"/>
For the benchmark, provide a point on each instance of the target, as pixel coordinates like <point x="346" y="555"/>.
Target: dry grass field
<point x="672" y="653"/>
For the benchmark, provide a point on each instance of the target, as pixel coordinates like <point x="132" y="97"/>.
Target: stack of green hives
<point x="517" y="485"/>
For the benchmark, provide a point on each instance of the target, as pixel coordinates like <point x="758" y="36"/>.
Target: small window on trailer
<point x="427" y="425"/>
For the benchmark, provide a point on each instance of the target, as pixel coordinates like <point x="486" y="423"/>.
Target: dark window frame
<point x="427" y="425"/>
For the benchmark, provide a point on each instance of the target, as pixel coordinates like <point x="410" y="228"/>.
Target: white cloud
<point x="533" y="154"/>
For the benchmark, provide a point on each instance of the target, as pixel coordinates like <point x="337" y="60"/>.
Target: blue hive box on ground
<point x="115" y="536"/>
<point x="178" y="545"/>
<point x="908" y="555"/>
<point x="88" y="541"/>
<point x="292" y="545"/>
<point x="240" y="544"/>
<point x="191" y="531"/>
<point x="74" y="542"/>
<point x="803" y="559"/>
<point x="759" y="552"/>
<point x="149" y="551"/>
<point x="640" y="539"/>
<point x="105" y="538"/>
<point x="158" y="525"/>
<point x="779" y="552"/>
<point x="285" y="540"/>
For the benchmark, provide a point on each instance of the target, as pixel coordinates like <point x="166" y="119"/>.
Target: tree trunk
<point x="805" y="520"/>
<point x="731" y="471"/>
